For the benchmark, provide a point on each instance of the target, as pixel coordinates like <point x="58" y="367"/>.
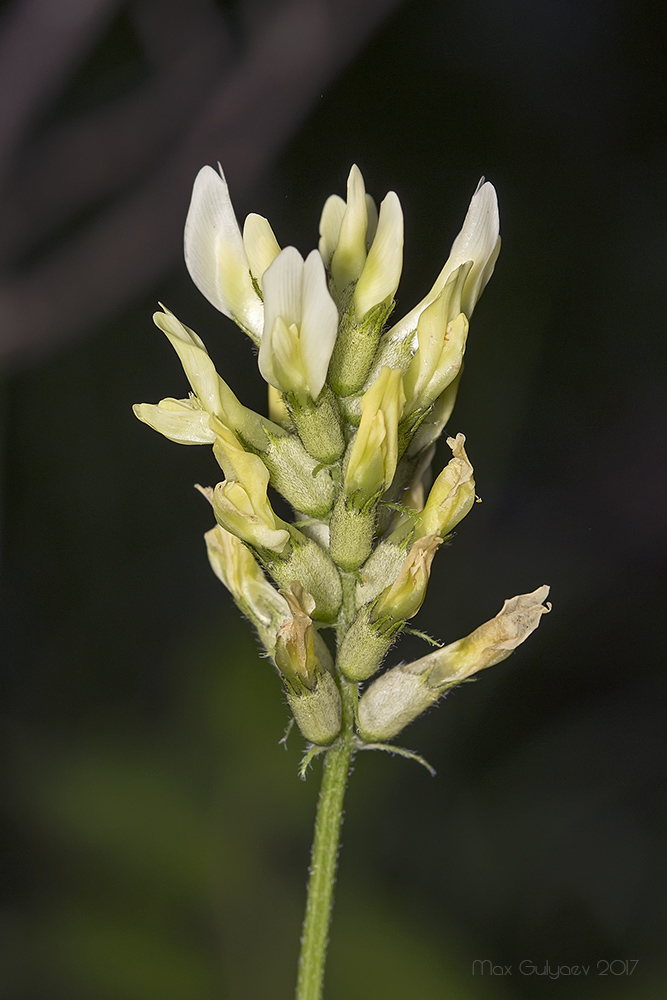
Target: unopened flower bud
<point x="370" y="469"/>
<point x="365" y="258"/>
<point x="382" y="271"/>
<point x="344" y="232"/>
<point x="404" y="692"/>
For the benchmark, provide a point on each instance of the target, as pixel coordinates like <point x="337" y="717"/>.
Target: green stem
<point x="324" y="858"/>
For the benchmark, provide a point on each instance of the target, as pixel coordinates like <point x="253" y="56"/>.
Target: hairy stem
<point x="324" y="857"/>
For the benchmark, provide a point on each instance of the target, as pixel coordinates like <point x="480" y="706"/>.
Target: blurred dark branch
<point x="41" y="42"/>
<point x="107" y="150"/>
<point x="140" y="154"/>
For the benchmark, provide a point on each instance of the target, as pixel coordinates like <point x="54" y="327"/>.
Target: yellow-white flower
<point x="300" y="323"/>
<point x="186" y="421"/>
<point x="372" y="462"/>
<point x="234" y="564"/>
<point x="244" y="509"/>
<point x="295" y="642"/>
<point x="358" y="246"/>
<point x="221" y="262"/>
<point x="240" y="503"/>
<point x="181" y="420"/>
<point x="478" y="242"/>
<point x="442" y="331"/>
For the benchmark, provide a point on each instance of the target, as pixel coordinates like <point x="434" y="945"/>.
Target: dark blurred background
<point x="156" y="835"/>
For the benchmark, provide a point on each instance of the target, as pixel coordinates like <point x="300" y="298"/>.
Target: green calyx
<point x="356" y="347"/>
<point x="318" y="424"/>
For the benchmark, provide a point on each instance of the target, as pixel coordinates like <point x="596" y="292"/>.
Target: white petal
<point x="330" y="220"/>
<point x="382" y="272"/>
<point x="177" y="420"/>
<point x="260" y="244"/>
<point x="350" y="255"/>
<point x="319" y="323"/>
<point x="282" y="286"/>
<point x="478" y="241"/>
<point x="372" y="212"/>
<point x="215" y="255"/>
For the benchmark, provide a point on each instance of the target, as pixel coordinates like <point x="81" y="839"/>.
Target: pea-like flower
<point x="360" y="247"/>
<point x="300" y="324"/>
<point x="227" y="267"/>
<point x="406" y="595"/>
<point x="234" y="564"/>
<point x="478" y="242"/>
<point x="442" y="332"/>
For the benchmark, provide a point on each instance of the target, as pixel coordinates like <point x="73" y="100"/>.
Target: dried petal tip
<point x="492" y="642"/>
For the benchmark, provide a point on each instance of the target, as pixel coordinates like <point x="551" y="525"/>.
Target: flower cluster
<point x="355" y="409"/>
